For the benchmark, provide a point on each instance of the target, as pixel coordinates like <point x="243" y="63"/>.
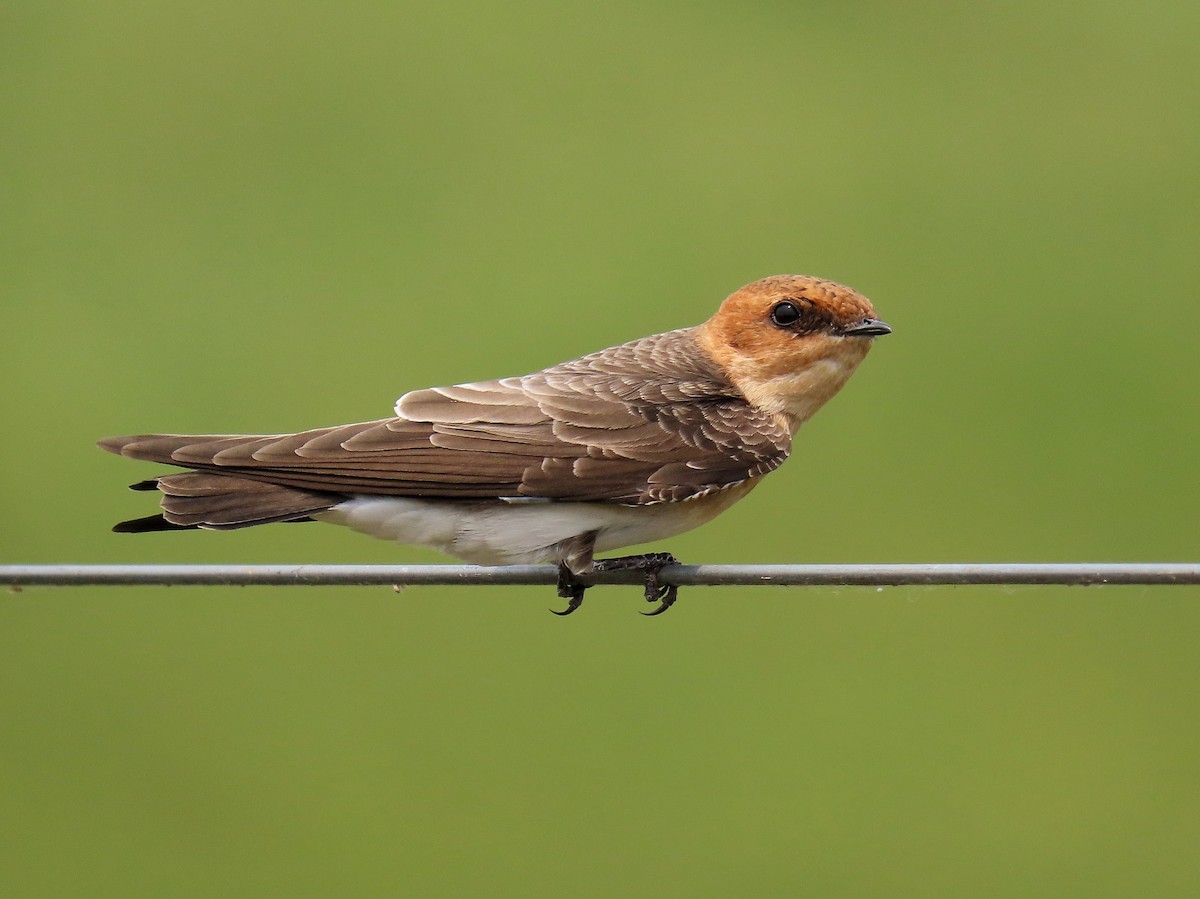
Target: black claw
<point x="668" y="600"/>
<point x="652" y="564"/>
<point x="571" y="607"/>
<point x="569" y="589"/>
<point x="660" y="593"/>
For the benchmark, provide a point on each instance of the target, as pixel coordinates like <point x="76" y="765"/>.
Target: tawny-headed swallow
<point x="627" y="445"/>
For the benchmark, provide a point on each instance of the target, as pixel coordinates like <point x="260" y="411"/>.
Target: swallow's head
<point x="789" y="342"/>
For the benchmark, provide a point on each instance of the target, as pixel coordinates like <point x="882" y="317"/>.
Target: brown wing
<point x="648" y="421"/>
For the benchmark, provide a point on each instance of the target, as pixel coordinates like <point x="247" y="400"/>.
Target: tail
<point x="208" y="499"/>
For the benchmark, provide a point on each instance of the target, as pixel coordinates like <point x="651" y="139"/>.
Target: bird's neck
<point x="794" y="389"/>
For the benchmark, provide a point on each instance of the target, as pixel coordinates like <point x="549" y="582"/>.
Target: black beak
<point x="868" y="327"/>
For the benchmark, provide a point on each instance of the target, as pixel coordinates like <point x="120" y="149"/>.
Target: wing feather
<point x="645" y="422"/>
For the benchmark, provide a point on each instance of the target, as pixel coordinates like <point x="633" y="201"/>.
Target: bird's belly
<point x="499" y="533"/>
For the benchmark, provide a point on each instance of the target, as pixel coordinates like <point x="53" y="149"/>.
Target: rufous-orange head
<point x="789" y="342"/>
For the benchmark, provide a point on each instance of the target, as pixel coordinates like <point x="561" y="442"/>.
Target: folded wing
<point x="646" y="422"/>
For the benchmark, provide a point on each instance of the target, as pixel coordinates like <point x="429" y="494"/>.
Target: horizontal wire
<point x="893" y="575"/>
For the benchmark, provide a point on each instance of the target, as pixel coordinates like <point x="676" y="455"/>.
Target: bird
<point x="631" y="444"/>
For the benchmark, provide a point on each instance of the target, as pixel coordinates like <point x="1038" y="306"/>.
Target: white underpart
<point x="501" y="533"/>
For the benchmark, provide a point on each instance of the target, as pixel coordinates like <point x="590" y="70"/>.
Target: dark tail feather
<point x="223" y="502"/>
<point x="149" y="524"/>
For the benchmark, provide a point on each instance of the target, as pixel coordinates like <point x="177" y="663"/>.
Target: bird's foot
<point x="651" y="565"/>
<point x="570" y="589"/>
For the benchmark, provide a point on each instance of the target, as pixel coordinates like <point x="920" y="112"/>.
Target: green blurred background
<point x="271" y="216"/>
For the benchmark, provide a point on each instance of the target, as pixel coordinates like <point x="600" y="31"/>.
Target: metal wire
<point x="1073" y="573"/>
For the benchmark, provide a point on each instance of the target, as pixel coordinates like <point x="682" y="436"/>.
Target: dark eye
<point x="785" y="313"/>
